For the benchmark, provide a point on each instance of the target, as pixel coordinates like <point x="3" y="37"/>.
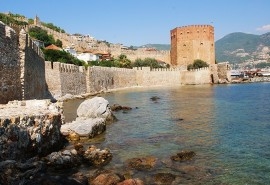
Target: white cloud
<point x="264" y="28"/>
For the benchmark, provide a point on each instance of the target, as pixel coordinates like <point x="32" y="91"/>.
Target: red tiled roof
<point x="53" y="47"/>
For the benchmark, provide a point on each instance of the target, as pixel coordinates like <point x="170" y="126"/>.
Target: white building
<point x="87" y="57"/>
<point x="72" y="51"/>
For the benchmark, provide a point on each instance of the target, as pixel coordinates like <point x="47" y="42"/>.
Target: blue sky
<point x="139" y="22"/>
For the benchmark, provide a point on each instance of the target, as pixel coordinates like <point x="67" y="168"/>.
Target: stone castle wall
<point x="10" y="84"/>
<point x="189" y="43"/>
<point x="32" y="68"/>
<point x="105" y="78"/>
<point x="197" y="76"/>
<point x="70" y="79"/>
<point x="64" y="79"/>
<point x="22" y="70"/>
<point x="157" y="77"/>
<point x="25" y="75"/>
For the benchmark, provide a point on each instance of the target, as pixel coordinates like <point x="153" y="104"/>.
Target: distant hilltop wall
<point x="142" y="53"/>
<point x="22" y="70"/>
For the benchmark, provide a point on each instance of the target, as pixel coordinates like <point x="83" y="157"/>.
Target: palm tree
<point x="123" y="61"/>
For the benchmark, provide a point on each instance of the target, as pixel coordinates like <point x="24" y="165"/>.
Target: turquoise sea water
<point x="227" y="126"/>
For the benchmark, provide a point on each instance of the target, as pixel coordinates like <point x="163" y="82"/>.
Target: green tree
<point x="11" y="19"/>
<point x="198" y="63"/>
<point x="58" y="43"/>
<point x="30" y="21"/>
<point x="40" y="34"/>
<point x="138" y="63"/>
<point x="147" y="62"/>
<point x="152" y="63"/>
<point x="61" y="56"/>
<point x="53" y="27"/>
<point x="123" y="62"/>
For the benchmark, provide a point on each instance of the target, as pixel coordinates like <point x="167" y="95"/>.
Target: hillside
<point x="239" y="47"/>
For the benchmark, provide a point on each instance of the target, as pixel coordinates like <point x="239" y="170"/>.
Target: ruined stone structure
<point x="189" y="43"/>
<point x="22" y="70"/>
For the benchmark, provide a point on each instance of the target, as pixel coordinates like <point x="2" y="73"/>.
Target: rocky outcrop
<point x="29" y="128"/>
<point x="93" y="114"/>
<point x="131" y="182"/>
<point x="183" y="156"/>
<point x="164" y="178"/>
<point x="13" y="172"/>
<point x="144" y="163"/>
<point x="92" y="156"/>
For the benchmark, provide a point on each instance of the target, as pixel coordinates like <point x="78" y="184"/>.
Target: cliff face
<point x="29" y="128"/>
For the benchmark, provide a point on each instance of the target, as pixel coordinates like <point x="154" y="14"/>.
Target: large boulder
<point x="96" y="107"/>
<point x="93" y="114"/>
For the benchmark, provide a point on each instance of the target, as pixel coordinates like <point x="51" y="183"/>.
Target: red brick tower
<point x="189" y="43"/>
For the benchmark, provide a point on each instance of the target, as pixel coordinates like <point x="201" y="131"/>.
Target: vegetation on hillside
<point x="197" y="64"/>
<point x="53" y="27"/>
<point x="12" y="19"/>
<point x="123" y="62"/>
<point x="230" y="47"/>
<point x="262" y="65"/>
<point x="42" y="35"/>
<point x="53" y="55"/>
<point x="61" y="56"/>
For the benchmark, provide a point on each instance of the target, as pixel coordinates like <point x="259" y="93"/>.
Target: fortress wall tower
<point x="189" y="43"/>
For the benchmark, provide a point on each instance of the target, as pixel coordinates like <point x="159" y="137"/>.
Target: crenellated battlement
<point x="200" y="69"/>
<point x="7" y="32"/>
<point x="196" y="26"/>
<point x="27" y="43"/>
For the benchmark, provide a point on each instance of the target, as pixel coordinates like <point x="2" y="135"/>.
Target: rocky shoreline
<point x="31" y="139"/>
<point x="34" y="139"/>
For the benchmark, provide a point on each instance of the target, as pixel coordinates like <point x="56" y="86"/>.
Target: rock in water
<point x="96" y="107"/>
<point x="183" y="156"/>
<point x="93" y="114"/>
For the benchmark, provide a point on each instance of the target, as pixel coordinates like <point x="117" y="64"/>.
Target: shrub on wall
<point x="147" y="62"/>
<point x="197" y="64"/>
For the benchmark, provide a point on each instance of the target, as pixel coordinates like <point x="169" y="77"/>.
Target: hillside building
<point x="189" y="43"/>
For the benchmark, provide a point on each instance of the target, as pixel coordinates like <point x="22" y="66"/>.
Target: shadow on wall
<point x="48" y="95"/>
